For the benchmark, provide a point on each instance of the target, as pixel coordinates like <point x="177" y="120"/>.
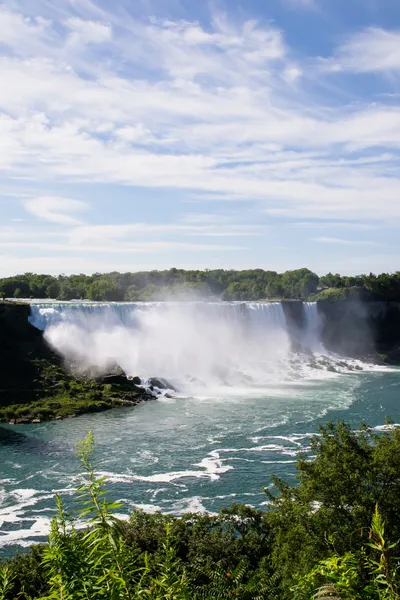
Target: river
<point x="181" y="454"/>
<point x="246" y="406"/>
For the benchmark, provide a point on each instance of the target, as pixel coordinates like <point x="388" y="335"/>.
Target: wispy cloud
<point x="332" y="225"/>
<point x="371" y="50"/>
<point x="126" y="248"/>
<point x="90" y="233"/>
<point x="220" y="109"/>
<point x="23" y="34"/>
<point x="56" y="210"/>
<point x="216" y="112"/>
<point x="334" y="240"/>
<point x="87" y="32"/>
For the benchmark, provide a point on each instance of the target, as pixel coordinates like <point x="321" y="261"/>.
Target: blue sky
<point x="147" y="134"/>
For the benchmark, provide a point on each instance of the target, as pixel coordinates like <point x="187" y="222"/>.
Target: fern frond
<point x="327" y="592"/>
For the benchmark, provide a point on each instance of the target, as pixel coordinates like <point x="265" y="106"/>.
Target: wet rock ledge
<point x="35" y="384"/>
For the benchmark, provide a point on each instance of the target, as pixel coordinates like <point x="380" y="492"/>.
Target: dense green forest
<point x="254" y="284"/>
<point x="334" y="533"/>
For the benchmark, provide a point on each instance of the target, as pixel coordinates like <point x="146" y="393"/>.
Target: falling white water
<point x="200" y="347"/>
<point x="313" y="325"/>
<point x="197" y="343"/>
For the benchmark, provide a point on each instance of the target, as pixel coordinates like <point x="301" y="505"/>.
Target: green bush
<point x="333" y="294"/>
<point x="316" y="540"/>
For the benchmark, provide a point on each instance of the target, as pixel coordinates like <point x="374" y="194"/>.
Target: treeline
<point x="252" y="284"/>
<point x="335" y="534"/>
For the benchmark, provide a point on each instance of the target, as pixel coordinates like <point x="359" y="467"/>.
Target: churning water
<point x="246" y="404"/>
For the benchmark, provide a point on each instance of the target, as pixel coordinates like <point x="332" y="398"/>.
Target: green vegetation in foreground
<point x="333" y="535"/>
<point x="253" y="284"/>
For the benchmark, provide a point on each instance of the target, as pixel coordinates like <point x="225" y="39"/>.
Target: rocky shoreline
<point x="36" y="385"/>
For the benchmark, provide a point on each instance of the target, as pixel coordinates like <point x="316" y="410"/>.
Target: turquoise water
<point x="181" y="454"/>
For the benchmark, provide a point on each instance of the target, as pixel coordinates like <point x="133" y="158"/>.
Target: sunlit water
<point x="181" y="454"/>
<point x="246" y="406"/>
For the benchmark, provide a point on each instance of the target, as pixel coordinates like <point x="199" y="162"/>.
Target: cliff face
<point x="22" y="349"/>
<point x="296" y="323"/>
<point x="34" y="385"/>
<point x="357" y="328"/>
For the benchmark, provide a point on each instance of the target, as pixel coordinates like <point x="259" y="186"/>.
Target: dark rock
<point x="161" y="384"/>
<point x="116" y="376"/>
<point x="115" y="379"/>
<point x="32" y="374"/>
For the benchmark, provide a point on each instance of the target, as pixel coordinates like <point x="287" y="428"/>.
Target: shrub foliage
<point x="334" y="534"/>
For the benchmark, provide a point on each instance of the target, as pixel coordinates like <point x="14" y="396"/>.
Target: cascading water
<point x="312" y="332"/>
<point x="243" y="413"/>
<point x="195" y="345"/>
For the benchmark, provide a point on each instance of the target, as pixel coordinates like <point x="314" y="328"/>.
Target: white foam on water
<point x="293" y="439"/>
<point x="25" y="493"/>
<point x="212" y="351"/>
<point x="18" y="513"/>
<point x="188" y="505"/>
<point x="278" y="462"/>
<point x="273" y="448"/>
<point x="212" y="471"/>
<point x="387" y="427"/>
<point x="26" y="537"/>
<point x="198" y="346"/>
<point x="147" y="508"/>
<point x="224" y="354"/>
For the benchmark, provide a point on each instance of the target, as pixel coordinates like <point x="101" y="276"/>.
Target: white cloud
<point x="112" y="233"/>
<point x="125" y="248"/>
<point x="331" y="225"/>
<point x="181" y="106"/>
<point x="371" y="50"/>
<point x="87" y="32"/>
<point x="292" y="73"/>
<point x="17" y="30"/>
<point x="55" y="210"/>
<point x="333" y="240"/>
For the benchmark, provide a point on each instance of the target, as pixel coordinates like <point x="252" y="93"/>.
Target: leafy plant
<point x="316" y="540"/>
<point x="382" y="567"/>
<point x="92" y="564"/>
<point x="5" y="581"/>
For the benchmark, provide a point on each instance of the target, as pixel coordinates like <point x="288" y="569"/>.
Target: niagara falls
<point x="242" y="386"/>
<point x="199" y="300"/>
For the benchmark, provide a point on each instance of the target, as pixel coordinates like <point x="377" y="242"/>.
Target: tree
<point x="104" y="289"/>
<point x="330" y="509"/>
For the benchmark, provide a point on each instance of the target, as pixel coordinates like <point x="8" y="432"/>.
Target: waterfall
<point x="313" y="324"/>
<point x="266" y="316"/>
<point x="197" y="346"/>
<point x="209" y="344"/>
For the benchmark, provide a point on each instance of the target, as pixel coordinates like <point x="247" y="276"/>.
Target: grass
<point x="54" y="392"/>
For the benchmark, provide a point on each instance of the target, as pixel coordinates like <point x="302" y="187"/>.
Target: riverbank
<point x="36" y="386"/>
<point x="276" y="550"/>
